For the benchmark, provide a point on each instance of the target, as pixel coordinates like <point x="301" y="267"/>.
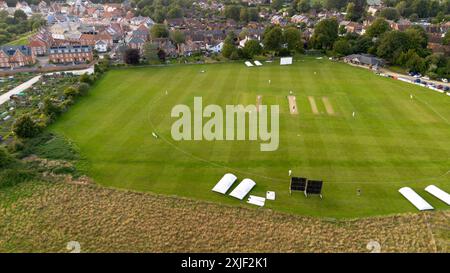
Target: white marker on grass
<point x="353" y="114"/>
<point x="154" y="135"/>
<point x="290" y="172"/>
<point x="270" y="81"/>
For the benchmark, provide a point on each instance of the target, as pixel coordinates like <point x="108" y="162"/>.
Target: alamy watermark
<point x="235" y="122"/>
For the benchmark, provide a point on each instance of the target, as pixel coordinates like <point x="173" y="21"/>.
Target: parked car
<point x="440" y="87"/>
<point x="446" y="88"/>
<point x="426" y="78"/>
<point x="444" y="80"/>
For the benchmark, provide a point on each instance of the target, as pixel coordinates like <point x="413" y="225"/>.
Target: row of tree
<point x="407" y="49"/>
<point x="277" y="40"/>
<point x="240" y="13"/>
<point x="159" y="10"/>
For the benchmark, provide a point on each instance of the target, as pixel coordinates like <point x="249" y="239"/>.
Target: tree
<point x="293" y="39"/>
<point x="446" y="40"/>
<point x="243" y="15"/>
<point x="175" y="12"/>
<point x="342" y="47"/>
<point x="392" y="43"/>
<point x="325" y="34"/>
<point x="304" y="6"/>
<point x="83" y="88"/>
<point x="159" y="31"/>
<point x="401" y="8"/>
<point x="51" y="109"/>
<point x="420" y="7"/>
<point x="228" y="46"/>
<point x="378" y="27"/>
<point x="334" y="4"/>
<point x="363" y="44"/>
<point x="131" y="56"/>
<point x="177" y="37"/>
<point x="418" y="38"/>
<point x="253" y="14"/>
<point x="416" y="63"/>
<point x="26" y="127"/>
<point x="390" y="14"/>
<point x="151" y="53"/>
<point x="273" y="39"/>
<point x="20" y="15"/>
<point x="233" y="12"/>
<point x="414" y="17"/>
<point x="351" y="13"/>
<point x="277" y="4"/>
<point x="252" y="48"/>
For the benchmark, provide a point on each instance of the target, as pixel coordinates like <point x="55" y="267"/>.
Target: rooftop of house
<point x="11" y="50"/>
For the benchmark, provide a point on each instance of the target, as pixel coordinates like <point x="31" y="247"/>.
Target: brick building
<point x="70" y="54"/>
<point x="16" y="56"/>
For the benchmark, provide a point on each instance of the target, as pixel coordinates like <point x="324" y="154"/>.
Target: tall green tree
<point x="293" y="39"/>
<point x="159" y="31"/>
<point x="325" y="34"/>
<point x="252" y="48"/>
<point x="378" y="27"/>
<point x="273" y="40"/>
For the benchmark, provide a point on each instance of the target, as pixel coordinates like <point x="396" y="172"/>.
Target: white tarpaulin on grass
<point x="225" y="183"/>
<point x="415" y="199"/>
<point x="286" y="60"/>
<point x="438" y="193"/>
<point x="243" y="188"/>
<point x="248" y="64"/>
<point x="258" y="63"/>
<point x="256" y="202"/>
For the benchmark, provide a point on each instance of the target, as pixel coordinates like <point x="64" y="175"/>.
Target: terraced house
<point x="70" y="54"/>
<point x="16" y="56"/>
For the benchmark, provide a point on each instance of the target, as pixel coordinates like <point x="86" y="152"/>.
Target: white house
<point x="215" y="48"/>
<point x="101" y="46"/>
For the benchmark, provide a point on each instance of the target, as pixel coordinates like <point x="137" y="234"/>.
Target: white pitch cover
<point x="438" y="193"/>
<point x="243" y="188"/>
<point x="248" y="64"/>
<point x="286" y="61"/>
<point x="258" y="63"/>
<point x="225" y="183"/>
<point x="415" y="199"/>
<point x="255" y="202"/>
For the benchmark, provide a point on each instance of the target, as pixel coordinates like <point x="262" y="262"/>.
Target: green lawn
<point x="22" y="39"/>
<point x="392" y="142"/>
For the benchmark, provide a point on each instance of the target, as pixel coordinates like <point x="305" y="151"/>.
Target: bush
<point x="83" y="88"/>
<point x="5" y="158"/>
<point x="11" y="177"/>
<point x="26" y="127"/>
<point x="71" y="92"/>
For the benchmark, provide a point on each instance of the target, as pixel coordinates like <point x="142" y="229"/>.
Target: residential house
<point x="101" y="46"/>
<point x="400" y="25"/>
<point x="139" y="20"/>
<point x="136" y="43"/>
<point x="70" y="54"/>
<point x="38" y="47"/>
<point x="16" y="56"/>
<point x="215" y="48"/>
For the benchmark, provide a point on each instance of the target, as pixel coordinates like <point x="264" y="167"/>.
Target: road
<point x="398" y="75"/>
